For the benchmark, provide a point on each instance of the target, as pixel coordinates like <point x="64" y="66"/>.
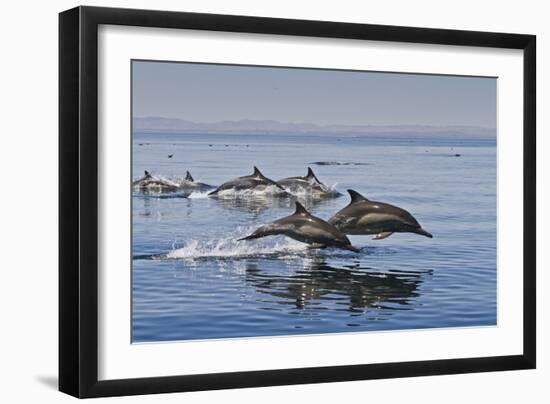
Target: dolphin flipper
<point x="316" y="246"/>
<point x="423" y="232"/>
<point x="383" y="235"/>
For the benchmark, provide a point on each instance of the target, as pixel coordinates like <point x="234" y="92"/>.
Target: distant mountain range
<point x="270" y="127"/>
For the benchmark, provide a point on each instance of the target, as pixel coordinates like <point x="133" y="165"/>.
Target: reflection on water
<point x="148" y="194"/>
<point x="354" y="287"/>
<point x="253" y="204"/>
<point x="291" y="292"/>
<point x="258" y="203"/>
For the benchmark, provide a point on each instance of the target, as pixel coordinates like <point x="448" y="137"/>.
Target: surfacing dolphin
<point x="191" y="185"/>
<point x="363" y="216"/>
<point x="152" y="183"/>
<point x="305" y="227"/>
<point x="254" y="182"/>
<point x="309" y="184"/>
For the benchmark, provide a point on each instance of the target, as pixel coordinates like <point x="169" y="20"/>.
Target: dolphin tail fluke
<point x="351" y="248"/>
<point x="423" y="232"/>
<point x="262" y="231"/>
<point x="255" y="235"/>
<point x="251" y="237"/>
<point x="281" y="187"/>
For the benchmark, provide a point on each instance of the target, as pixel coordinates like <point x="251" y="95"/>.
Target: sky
<point x="212" y="93"/>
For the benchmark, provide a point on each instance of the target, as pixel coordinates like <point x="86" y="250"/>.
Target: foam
<point x="229" y="247"/>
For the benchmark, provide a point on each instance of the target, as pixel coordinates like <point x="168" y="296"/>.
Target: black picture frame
<point x="78" y="201"/>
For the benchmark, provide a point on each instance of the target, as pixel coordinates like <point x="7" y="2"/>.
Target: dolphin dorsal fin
<point x="300" y="209"/>
<point x="257" y="172"/>
<point x="311" y="175"/>
<point x="356" y="196"/>
<point x="147" y="174"/>
<point x="189" y="177"/>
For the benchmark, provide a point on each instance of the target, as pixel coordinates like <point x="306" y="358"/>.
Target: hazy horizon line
<point x="411" y="125"/>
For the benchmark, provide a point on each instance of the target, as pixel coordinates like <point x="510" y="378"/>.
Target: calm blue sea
<point x="191" y="279"/>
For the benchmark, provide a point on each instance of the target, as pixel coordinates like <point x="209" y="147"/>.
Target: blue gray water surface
<point x="191" y="279"/>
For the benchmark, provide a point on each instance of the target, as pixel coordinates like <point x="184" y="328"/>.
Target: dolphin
<point x="363" y="216"/>
<point x="146" y="177"/>
<point x="310" y="183"/>
<point x="256" y="181"/>
<point x="190" y="184"/>
<point x="152" y="183"/>
<point x="305" y="227"/>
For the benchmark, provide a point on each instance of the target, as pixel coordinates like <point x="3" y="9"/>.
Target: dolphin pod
<point x="303" y="226"/>
<point x="150" y="183"/>
<point x="360" y="217"/>
<point x="308" y="185"/>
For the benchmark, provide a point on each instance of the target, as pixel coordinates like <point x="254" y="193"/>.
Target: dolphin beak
<point x="423" y="232"/>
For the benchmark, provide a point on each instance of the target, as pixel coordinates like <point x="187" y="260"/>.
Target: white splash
<point x="167" y="180"/>
<point x="151" y="185"/>
<point x="310" y="192"/>
<point x="269" y="190"/>
<point x="230" y="248"/>
<point x="199" y="195"/>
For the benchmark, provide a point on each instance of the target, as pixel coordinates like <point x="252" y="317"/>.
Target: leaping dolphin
<point x="310" y="184"/>
<point x="190" y="184"/>
<point x="254" y="182"/>
<point x="305" y="227"/>
<point x="363" y="216"/>
<point x="146" y="177"/>
<point x="152" y="183"/>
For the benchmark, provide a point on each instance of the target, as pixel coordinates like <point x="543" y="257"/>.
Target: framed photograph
<point x="251" y="201"/>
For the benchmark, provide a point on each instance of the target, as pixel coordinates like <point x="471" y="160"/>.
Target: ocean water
<point x="191" y="279"/>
